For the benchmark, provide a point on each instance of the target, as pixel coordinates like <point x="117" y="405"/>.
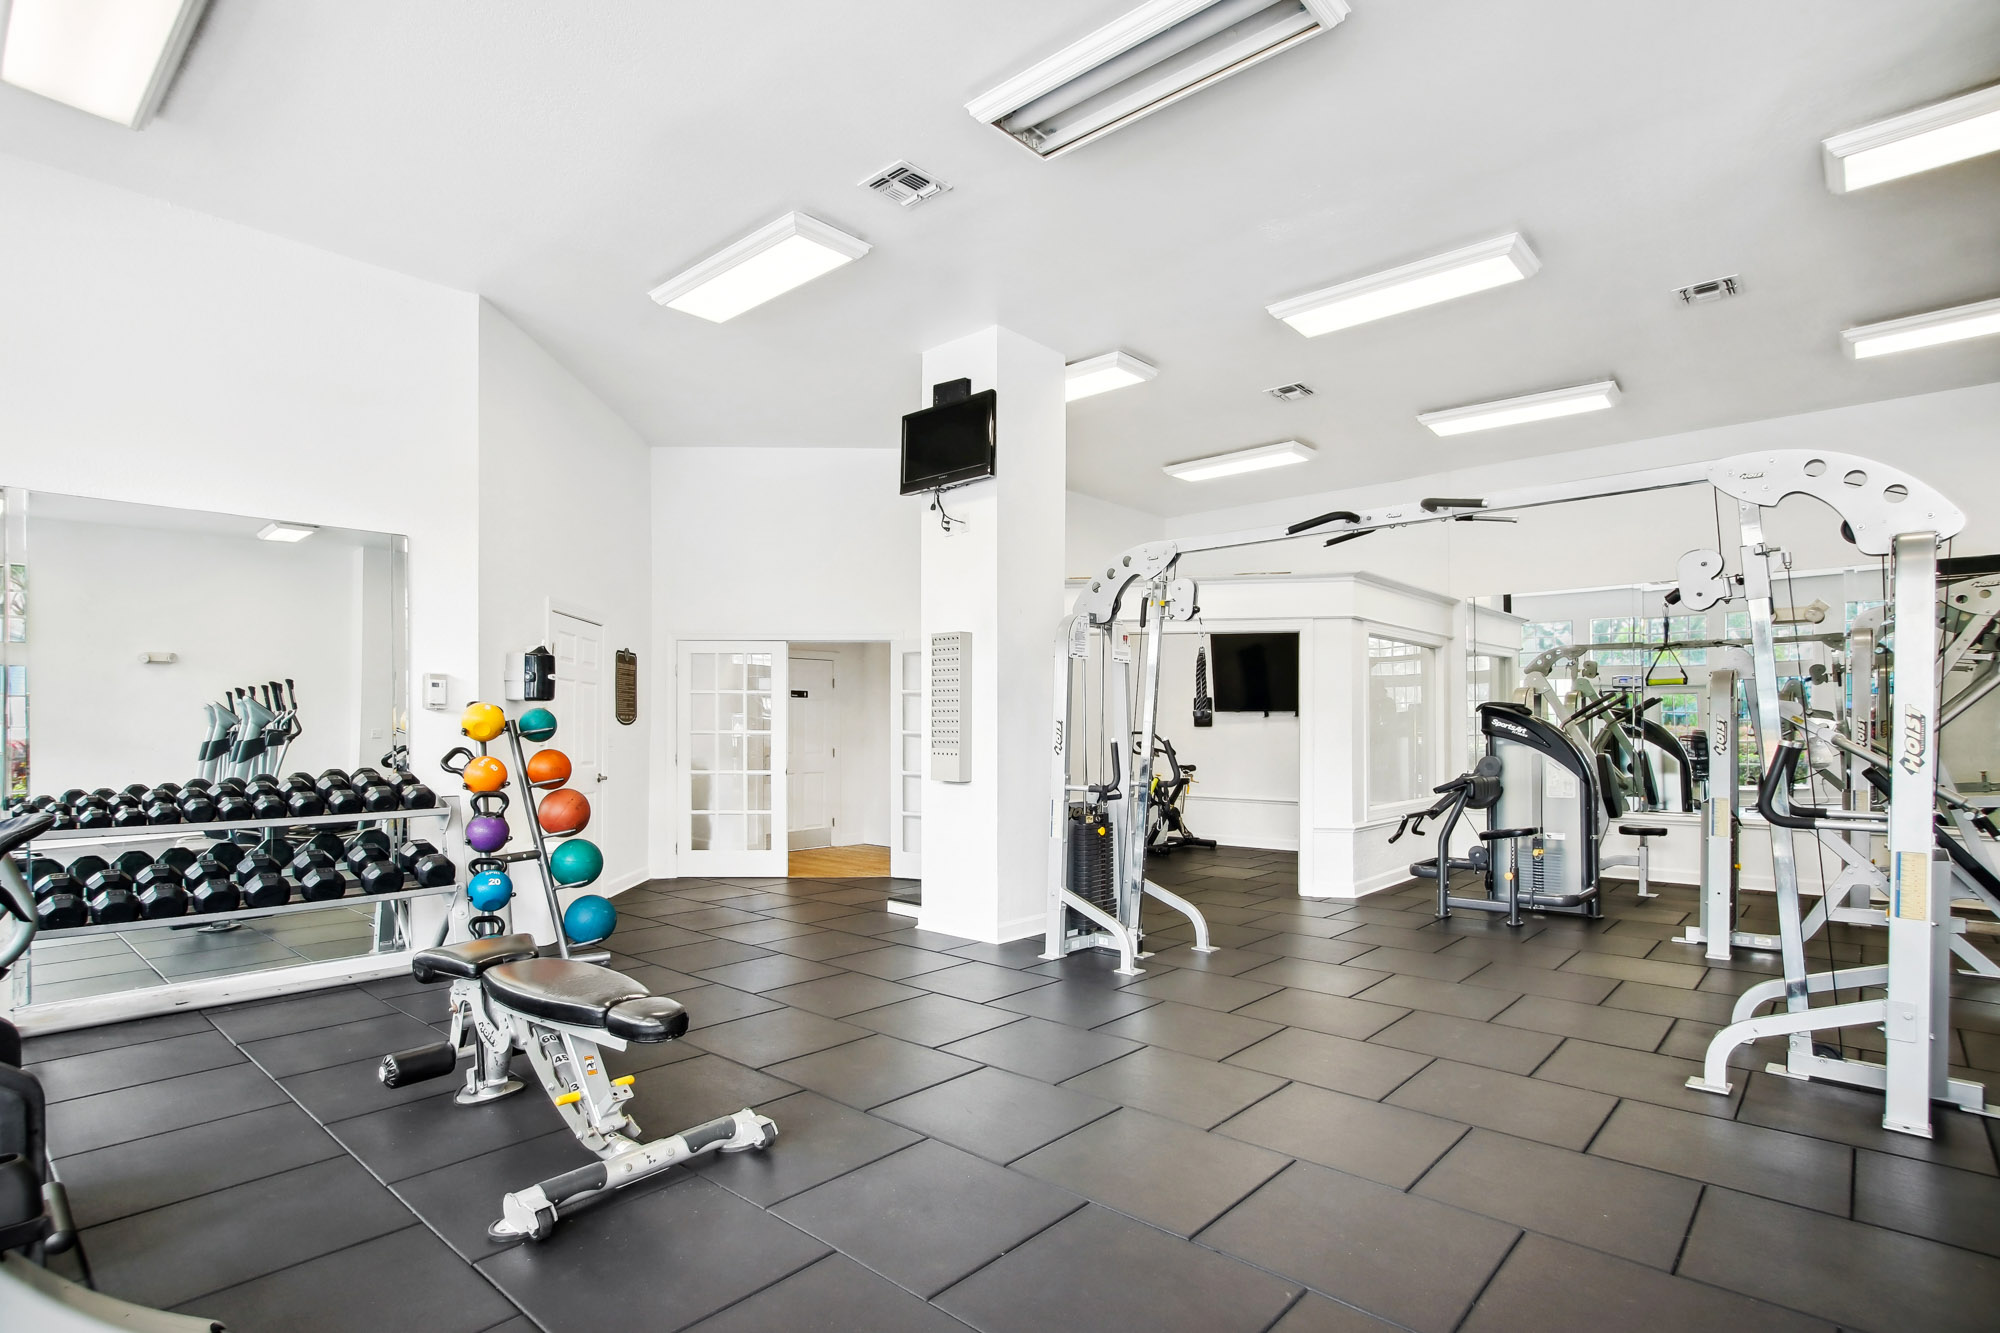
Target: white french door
<point x="906" y="758"/>
<point x="731" y="813"/>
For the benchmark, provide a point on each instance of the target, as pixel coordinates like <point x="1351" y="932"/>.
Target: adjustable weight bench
<point x="504" y="998"/>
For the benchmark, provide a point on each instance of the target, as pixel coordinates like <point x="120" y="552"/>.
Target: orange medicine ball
<point x="548" y="768"/>
<point x="564" y="811"/>
<point x="485" y="774"/>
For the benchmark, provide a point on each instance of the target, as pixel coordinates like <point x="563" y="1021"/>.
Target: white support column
<point x="998" y="575"/>
<point x="1919" y="887"/>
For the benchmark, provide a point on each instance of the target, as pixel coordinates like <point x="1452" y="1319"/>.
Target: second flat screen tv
<point x="1256" y="673"/>
<point x="949" y="444"/>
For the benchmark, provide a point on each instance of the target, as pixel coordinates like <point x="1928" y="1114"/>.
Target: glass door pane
<point x="731" y="718"/>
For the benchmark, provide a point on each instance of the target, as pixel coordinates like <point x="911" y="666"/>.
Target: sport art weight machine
<point x="1099" y="780"/>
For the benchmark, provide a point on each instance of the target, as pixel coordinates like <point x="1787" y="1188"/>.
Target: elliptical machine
<point x="1167" y="829"/>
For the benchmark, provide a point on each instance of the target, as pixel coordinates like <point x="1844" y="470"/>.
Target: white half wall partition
<point x="1378" y="723"/>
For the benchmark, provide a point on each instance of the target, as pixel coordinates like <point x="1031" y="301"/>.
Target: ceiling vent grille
<point x="1289" y="393"/>
<point x="1701" y="293"/>
<point x="901" y="183"/>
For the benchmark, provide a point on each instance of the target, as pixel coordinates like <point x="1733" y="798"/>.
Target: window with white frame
<point x="1400" y="704"/>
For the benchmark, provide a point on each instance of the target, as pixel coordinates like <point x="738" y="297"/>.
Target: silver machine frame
<point x="1886" y="511"/>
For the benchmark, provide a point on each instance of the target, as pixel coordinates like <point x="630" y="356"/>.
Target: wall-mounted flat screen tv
<point x="948" y="445"/>
<point x="1256" y="673"/>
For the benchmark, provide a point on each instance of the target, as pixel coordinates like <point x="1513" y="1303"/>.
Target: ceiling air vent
<point x="1289" y="393"/>
<point x="901" y="183"/>
<point x="1701" y="293"/>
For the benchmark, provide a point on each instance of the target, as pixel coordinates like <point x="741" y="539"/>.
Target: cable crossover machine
<point x="1103" y="742"/>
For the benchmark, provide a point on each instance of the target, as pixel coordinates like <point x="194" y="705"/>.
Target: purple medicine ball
<point x="486" y="833"/>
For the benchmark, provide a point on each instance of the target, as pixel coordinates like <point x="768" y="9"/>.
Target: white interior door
<point x="906" y="758"/>
<point x="579" y="708"/>
<point x="812" y="753"/>
<point x="732" y="703"/>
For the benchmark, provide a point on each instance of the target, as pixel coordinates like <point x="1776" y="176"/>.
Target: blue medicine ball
<point x="589" y="919"/>
<point x="490" y="890"/>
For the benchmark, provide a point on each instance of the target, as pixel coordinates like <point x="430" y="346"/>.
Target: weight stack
<point x="1090" y="861"/>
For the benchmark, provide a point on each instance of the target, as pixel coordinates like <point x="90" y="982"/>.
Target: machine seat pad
<point x="1642" y="830"/>
<point x="470" y="958"/>
<point x="561" y="991"/>
<point x="651" y="1018"/>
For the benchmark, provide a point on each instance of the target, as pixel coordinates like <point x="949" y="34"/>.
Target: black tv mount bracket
<point x="950" y="391"/>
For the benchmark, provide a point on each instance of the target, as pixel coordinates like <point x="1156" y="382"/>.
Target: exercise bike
<point x="1166" y="825"/>
<point x="35" y="1221"/>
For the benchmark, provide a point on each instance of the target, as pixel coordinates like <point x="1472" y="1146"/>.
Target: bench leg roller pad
<point x="531" y="1213"/>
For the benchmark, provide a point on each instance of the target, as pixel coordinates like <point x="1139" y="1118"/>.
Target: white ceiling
<point x="562" y="160"/>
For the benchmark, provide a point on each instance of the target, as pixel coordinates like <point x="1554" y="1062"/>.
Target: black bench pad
<point x="470" y="958"/>
<point x="585" y="995"/>
<point x="1642" y="830"/>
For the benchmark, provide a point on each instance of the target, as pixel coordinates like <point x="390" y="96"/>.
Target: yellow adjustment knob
<point x="625" y="1082"/>
<point x="568" y="1097"/>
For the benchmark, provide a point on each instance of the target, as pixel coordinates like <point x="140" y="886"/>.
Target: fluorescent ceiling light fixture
<point x="1102" y="374"/>
<point x="769" y="262"/>
<point x="1528" y="407"/>
<point x="286" y="532"/>
<point x="112" y="58"/>
<point x="1141" y="61"/>
<point x="1932" y="136"/>
<point x="1940" y="326"/>
<point x="1283" y="454"/>
<point x="1445" y="277"/>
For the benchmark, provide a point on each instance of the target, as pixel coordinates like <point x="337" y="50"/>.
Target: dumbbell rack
<point x="73" y="838"/>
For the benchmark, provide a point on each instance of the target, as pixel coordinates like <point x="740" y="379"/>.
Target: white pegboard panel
<point x="951" y="682"/>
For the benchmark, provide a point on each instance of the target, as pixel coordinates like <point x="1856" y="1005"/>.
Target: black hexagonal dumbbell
<point x="162" y="891"/>
<point x="303" y="803"/>
<point x="383" y="876"/>
<point x="210" y="889"/>
<point x="132" y="862"/>
<point x="111" y="898"/>
<point x="342" y="801"/>
<point x="426" y="865"/>
<point x="93" y="814"/>
<point x="59" y="901"/>
<point x="326" y="881"/>
<point x="381" y="798"/>
<point x="268" y="803"/>
<point x="197" y="808"/>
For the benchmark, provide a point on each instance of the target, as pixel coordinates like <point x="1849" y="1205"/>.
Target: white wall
<point x="1950" y="440"/>
<point x="774" y="544"/>
<point x="153" y="354"/>
<point x="1246" y="792"/>
<point x="236" y="610"/>
<point x="1095" y="531"/>
<point x="564" y="525"/>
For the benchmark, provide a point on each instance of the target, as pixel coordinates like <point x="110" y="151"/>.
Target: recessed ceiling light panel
<point x="112" y="58"/>
<point x="1101" y="374"/>
<point x="1144" y="60"/>
<point x="770" y="261"/>
<point x="1979" y="320"/>
<point x="1283" y="454"/>
<point x="1476" y="268"/>
<point x="1528" y="407"/>
<point x="286" y="532"/>
<point x="1920" y="140"/>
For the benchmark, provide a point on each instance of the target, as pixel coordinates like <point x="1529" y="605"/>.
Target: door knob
<point x="602" y="777"/>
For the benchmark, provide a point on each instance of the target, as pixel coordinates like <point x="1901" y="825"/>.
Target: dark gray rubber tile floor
<point x="1353" y="1117"/>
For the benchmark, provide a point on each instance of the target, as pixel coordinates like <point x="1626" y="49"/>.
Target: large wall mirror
<point x="146" y="646"/>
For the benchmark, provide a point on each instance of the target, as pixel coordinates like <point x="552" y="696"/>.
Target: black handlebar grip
<point x="1347" y="514"/>
<point x="1437" y="502"/>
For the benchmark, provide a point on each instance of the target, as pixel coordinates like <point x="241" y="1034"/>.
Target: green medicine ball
<point x="576" y="861"/>
<point x="537" y="725"/>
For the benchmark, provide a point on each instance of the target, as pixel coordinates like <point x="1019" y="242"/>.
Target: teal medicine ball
<point x="490" y="890"/>
<point x="589" y="919"/>
<point x="576" y="861"/>
<point x="537" y="725"/>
